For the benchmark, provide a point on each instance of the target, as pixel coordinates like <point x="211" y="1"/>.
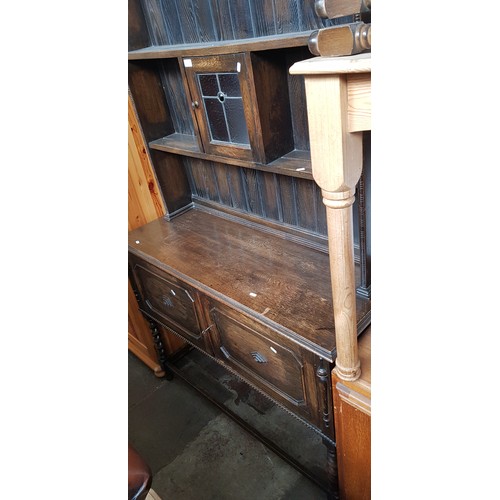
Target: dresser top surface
<point x="274" y="279"/>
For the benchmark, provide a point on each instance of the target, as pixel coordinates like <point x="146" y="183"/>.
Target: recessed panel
<point x="256" y="355"/>
<point x="169" y="302"/>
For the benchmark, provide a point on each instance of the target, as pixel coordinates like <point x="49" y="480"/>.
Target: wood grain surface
<point x="278" y="281"/>
<point x="352" y="415"/>
<point x="145" y="204"/>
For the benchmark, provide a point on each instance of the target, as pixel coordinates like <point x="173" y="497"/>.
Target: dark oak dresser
<point x="239" y="266"/>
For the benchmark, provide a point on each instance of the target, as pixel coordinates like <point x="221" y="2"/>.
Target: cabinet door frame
<point x="171" y="323"/>
<point x="228" y="63"/>
<point x="310" y="408"/>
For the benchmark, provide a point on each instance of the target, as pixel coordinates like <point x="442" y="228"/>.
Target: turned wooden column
<point x="337" y="162"/>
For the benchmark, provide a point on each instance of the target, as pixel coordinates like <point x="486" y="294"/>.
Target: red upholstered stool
<point x="140" y="476"/>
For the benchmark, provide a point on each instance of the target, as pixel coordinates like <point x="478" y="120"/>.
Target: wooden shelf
<point x="179" y="144"/>
<point x="296" y="163"/>
<point x="223" y="47"/>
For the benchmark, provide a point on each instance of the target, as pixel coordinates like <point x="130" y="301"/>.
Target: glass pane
<point x="230" y="84"/>
<point x="208" y="84"/>
<point x="216" y="119"/>
<point x="236" y="121"/>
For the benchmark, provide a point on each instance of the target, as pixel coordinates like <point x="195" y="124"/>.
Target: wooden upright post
<point x="337" y="162"/>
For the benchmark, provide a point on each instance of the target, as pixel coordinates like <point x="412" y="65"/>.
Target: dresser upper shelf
<point x="296" y="163"/>
<point x="222" y="47"/>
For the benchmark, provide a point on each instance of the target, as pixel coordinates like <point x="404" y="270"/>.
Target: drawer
<point x="170" y="302"/>
<point x="264" y="357"/>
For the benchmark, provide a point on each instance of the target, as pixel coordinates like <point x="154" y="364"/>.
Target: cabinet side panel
<point x="176" y="98"/>
<point x="352" y="427"/>
<point x="138" y="36"/>
<point x="144" y="199"/>
<point x="149" y="98"/>
<point x="271" y="88"/>
<point x="297" y="93"/>
<point x="144" y="205"/>
<point x="173" y="180"/>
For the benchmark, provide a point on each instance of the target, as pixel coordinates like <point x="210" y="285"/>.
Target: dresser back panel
<point x="289" y="200"/>
<point x="178" y="22"/>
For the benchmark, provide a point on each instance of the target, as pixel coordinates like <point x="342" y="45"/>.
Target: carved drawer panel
<point x="171" y="302"/>
<point x="265" y="358"/>
<point x="260" y="353"/>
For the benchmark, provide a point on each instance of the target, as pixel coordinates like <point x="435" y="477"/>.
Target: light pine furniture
<point x="352" y="411"/>
<point x="144" y="205"/>
<point x="339" y="111"/>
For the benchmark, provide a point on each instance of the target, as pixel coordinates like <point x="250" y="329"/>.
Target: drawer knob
<point x="258" y="357"/>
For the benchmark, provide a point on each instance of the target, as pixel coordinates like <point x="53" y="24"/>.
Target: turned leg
<point x="162" y="358"/>
<point x="337" y="163"/>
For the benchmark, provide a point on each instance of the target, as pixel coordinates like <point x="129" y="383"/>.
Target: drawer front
<point x="170" y="302"/>
<point x="262" y="356"/>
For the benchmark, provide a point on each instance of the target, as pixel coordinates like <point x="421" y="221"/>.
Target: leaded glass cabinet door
<point x="223" y="102"/>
